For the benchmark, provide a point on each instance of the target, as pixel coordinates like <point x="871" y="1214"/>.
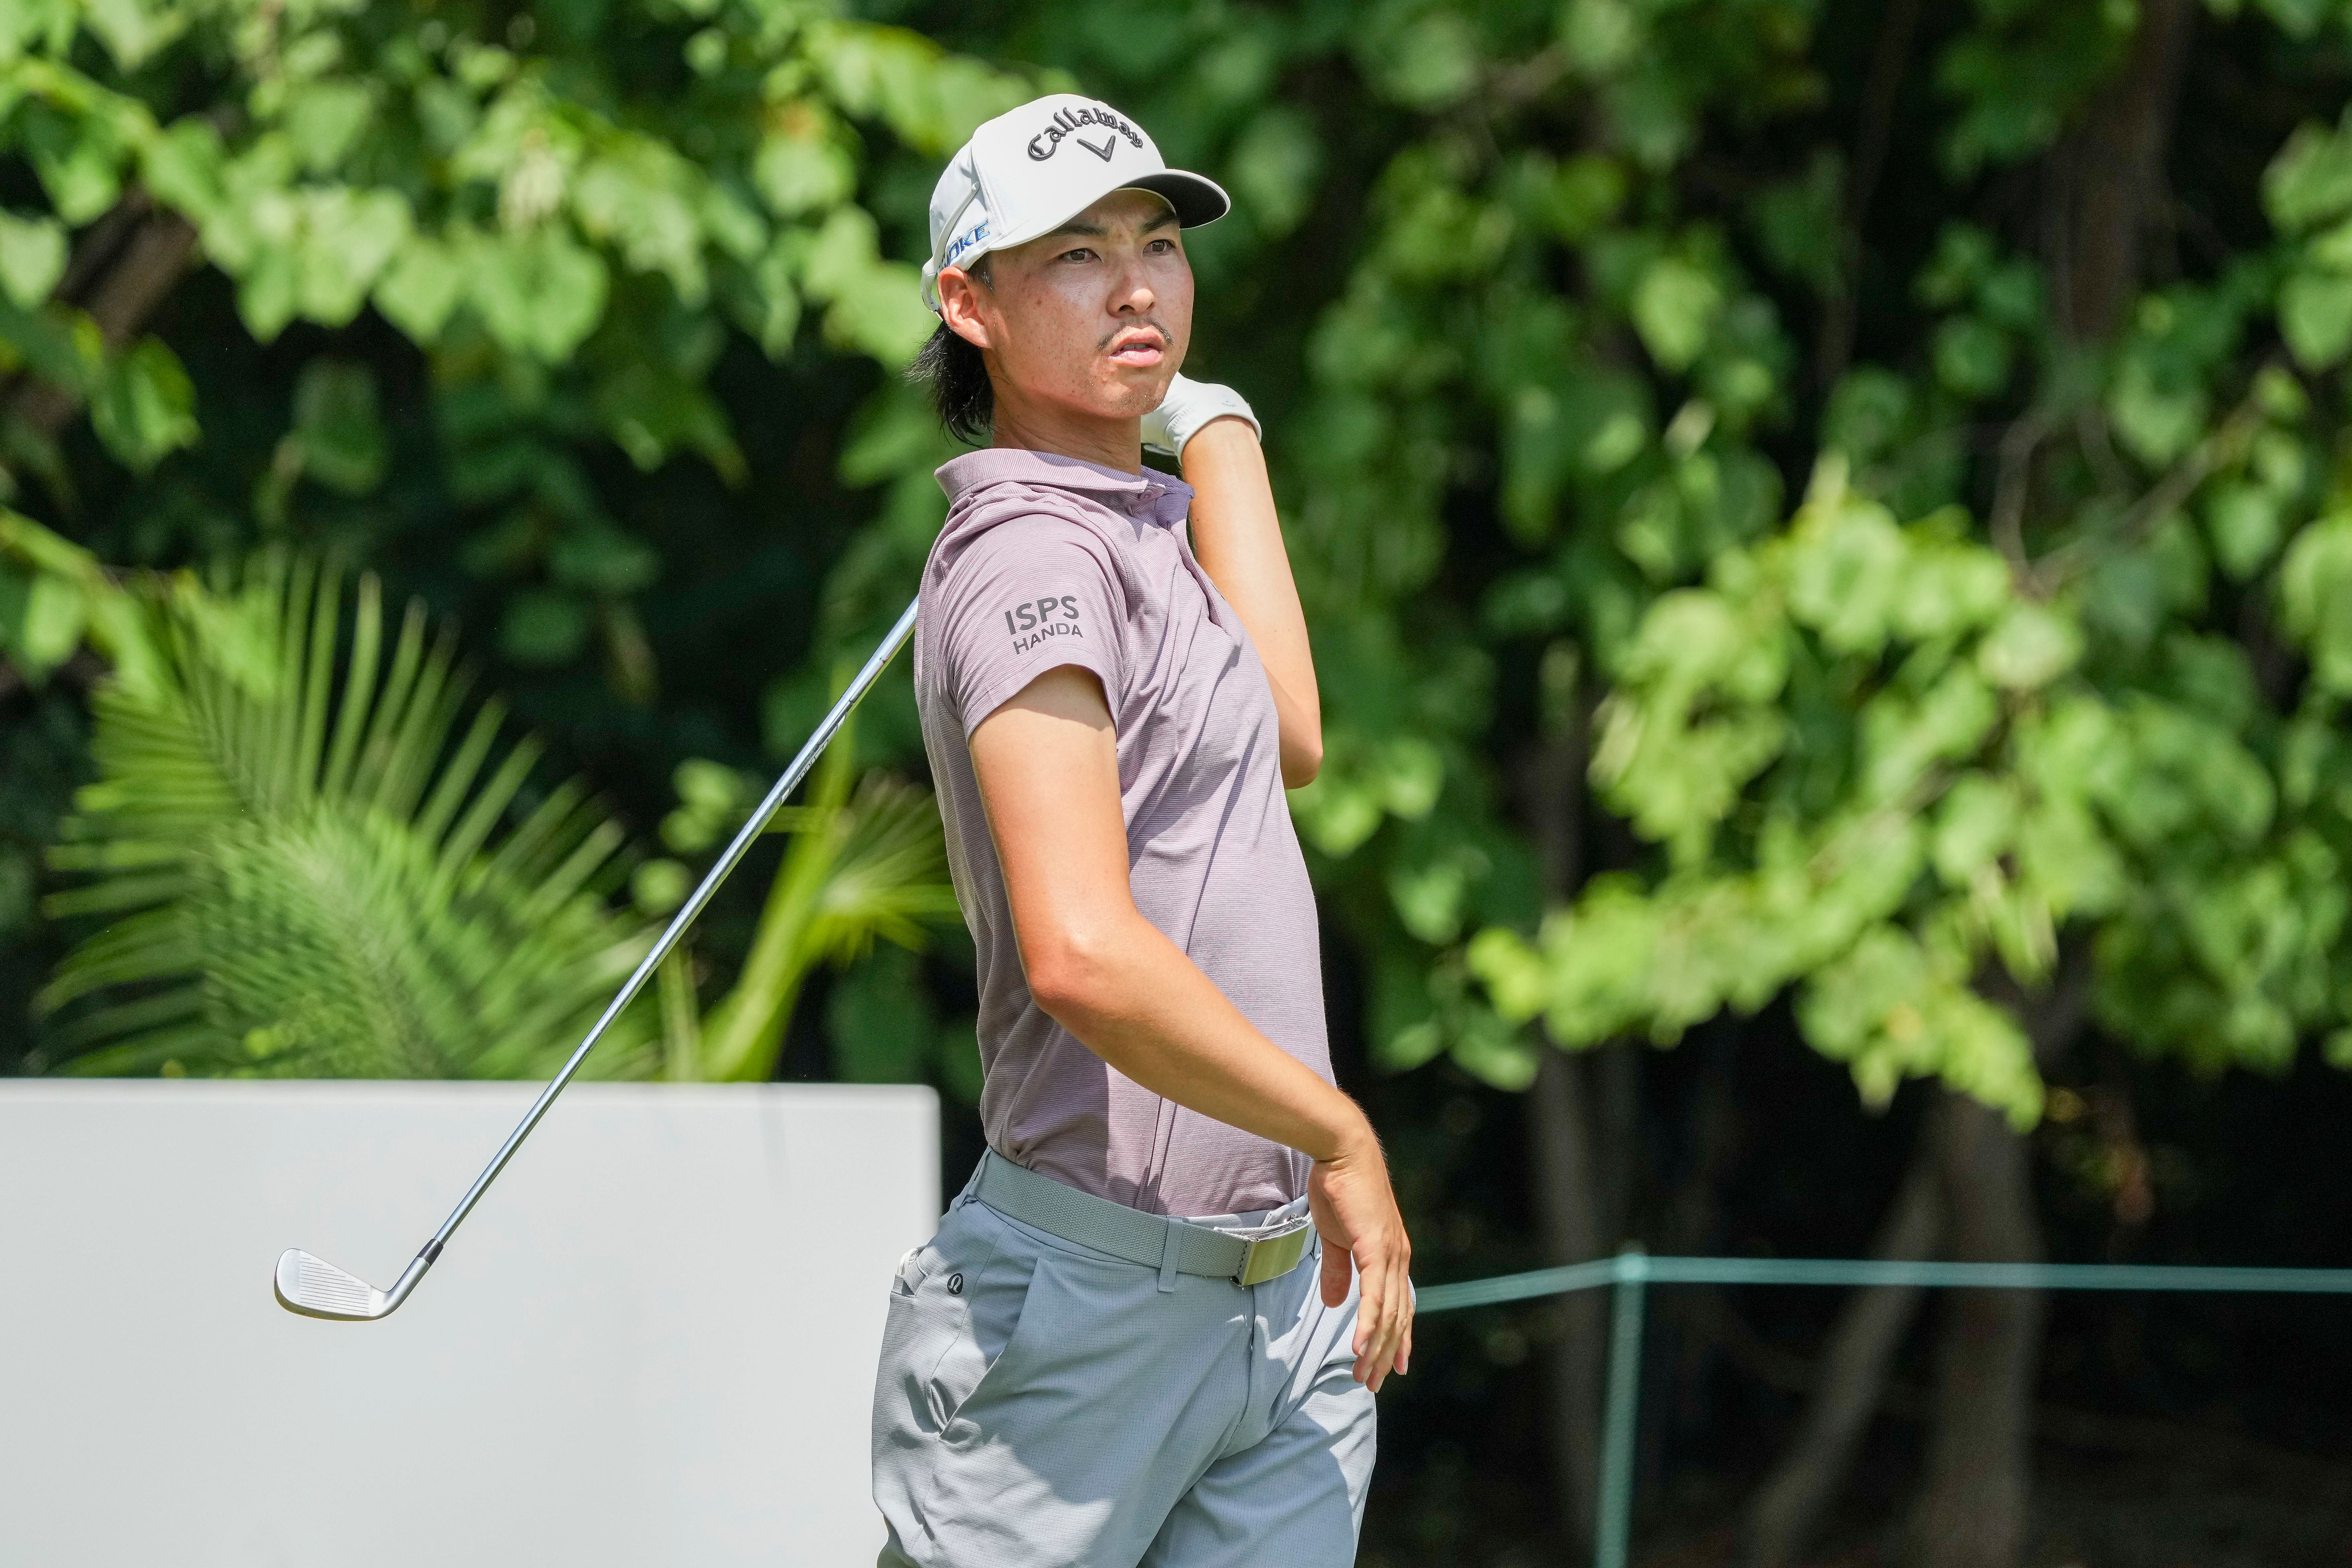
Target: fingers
<point x="1404" y="1313"/>
<point x="1384" y="1312"/>
<point x="1370" y="1328"/>
<point x="1364" y="1235"/>
<point x="1400" y="1314"/>
<point x="1337" y="1267"/>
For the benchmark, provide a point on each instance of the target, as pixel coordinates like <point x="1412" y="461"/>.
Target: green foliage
<point x="886" y="1029"/>
<point x="308" y="870"/>
<point x="569" y="216"/>
<point x="55" y="597"/>
<point x="2023" y="669"/>
<point x="1552" y="310"/>
<point x="863" y="864"/>
<point x="2307" y="191"/>
<point x="470" y="183"/>
<point x="1878" y="871"/>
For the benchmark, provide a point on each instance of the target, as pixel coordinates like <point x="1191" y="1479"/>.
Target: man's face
<point x="1093" y="317"/>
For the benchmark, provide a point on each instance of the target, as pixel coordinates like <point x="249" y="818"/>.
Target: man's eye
<point x="1163" y="246"/>
<point x="1079" y="255"/>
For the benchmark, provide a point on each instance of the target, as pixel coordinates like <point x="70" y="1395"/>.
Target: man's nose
<point x="1133" y="295"/>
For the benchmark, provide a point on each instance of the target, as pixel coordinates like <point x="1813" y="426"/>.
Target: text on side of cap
<point x="979" y="233"/>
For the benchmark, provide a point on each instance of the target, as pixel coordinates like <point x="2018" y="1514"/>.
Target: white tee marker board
<point x="653" y="1342"/>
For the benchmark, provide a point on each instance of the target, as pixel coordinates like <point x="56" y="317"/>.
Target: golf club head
<point x="317" y="1289"/>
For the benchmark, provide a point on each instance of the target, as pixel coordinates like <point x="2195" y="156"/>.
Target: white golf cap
<point x="1027" y="171"/>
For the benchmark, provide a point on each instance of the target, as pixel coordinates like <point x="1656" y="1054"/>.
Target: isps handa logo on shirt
<point x="1032" y="622"/>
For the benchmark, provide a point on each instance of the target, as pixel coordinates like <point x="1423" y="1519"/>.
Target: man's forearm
<point x="1134" y="999"/>
<point x="1047" y="766"/>
<point x="1046" y="762"/>
<point x="1238" y="538"/>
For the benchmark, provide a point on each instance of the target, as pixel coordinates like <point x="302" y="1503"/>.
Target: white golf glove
<point x="1188" y="406"/>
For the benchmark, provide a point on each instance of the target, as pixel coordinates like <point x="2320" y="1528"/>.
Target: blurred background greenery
<point x="1828" y="533"/>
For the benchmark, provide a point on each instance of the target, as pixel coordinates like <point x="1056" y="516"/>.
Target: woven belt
<point x="1245" y="1256"/>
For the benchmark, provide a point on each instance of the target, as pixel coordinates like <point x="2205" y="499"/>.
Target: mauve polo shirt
<point x="1047" y="561"/>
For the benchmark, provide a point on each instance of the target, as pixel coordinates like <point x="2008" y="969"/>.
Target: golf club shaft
<point x="701" y="895"/>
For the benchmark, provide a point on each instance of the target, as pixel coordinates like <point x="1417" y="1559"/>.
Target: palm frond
<point x="885" y="875"/>
<point x="312" y="885"/>
<point x="862" y="866"/>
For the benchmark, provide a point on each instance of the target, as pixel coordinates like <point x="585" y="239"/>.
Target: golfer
<point x="1149" y="1329"/>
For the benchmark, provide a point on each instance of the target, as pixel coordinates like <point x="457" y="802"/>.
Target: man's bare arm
<point x="1047" y="765"/>
<point x="1238" y="539"/>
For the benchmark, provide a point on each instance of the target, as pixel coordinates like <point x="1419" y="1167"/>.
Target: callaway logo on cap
<point x="1028" y="171"/>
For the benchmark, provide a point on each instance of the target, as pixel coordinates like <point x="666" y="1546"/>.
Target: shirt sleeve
<point x="1030" y="595"/>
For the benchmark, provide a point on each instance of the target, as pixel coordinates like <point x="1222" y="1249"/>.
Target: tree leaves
<point x="1955" y="766"/>
<point x="1674" y="307"/>
<point x="1542" y="424"/>
<point x="324" y="117"/>
<point x="1890" y="1009"/>
<point x="2308" y="183"/>
<point x="134" y="30"/>
<point x="315" y="254"/>
<point x="2030" y="647"/>
<point x="540" y="293"/>
<point x="32" y="258"/>
<point x="454" y="181"/>
<point x="2315" y="584"/>
<point x="145" y="405"/>
<point x="1363" y="782"/>
<point x="339" y="437"/>
<point x="2316" y="316"/>
<point x="41" y="619"/>
<point x="803" y="167"/>
<point x="79" y="156"/>
<point x="420" y="287"/>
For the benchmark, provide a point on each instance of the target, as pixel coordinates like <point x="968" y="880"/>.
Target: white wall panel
<point x="652" y="1344"/>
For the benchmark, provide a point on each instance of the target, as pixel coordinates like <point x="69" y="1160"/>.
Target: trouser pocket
<point x="955" y="1305"/>
<point x="1006" y="1370"/>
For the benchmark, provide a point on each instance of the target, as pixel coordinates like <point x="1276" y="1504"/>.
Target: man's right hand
<point x="1356" y="1214"/>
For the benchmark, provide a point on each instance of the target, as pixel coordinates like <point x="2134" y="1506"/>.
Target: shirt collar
<point x="1171" y="498"/>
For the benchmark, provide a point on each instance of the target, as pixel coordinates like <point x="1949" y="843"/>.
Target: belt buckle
<point x="1272" y="1254"/>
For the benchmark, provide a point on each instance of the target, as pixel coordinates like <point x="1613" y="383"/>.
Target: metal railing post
<point x="1614" y="1526"/>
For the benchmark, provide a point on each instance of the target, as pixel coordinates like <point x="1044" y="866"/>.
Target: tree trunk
<point x="1688" y="1222"/>
<point x="2108" y="176"/>
<point x="1890" y="59"/>
<point x="1568" y="1211"/>
<point x="1870" y="1329"/>
<point x="122" y="267"/>
<point x="1616" y="1137"/>
<point x="1579" y="1119"/>
<point x="2106" y="181"/>
<point x="1971" y="1512"/>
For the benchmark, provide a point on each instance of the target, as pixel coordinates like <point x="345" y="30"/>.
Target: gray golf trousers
<point x="1040" y="1404"/>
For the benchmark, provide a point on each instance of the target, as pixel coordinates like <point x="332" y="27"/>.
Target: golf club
<point x="317" y="1289"/>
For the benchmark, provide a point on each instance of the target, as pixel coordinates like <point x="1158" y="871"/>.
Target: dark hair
<point x="958" y="378"/>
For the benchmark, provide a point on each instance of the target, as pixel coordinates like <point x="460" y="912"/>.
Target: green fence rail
<point x="1630" y="1273"/>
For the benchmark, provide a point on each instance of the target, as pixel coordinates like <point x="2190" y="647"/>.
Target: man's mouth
<point x="1139" y="346"/>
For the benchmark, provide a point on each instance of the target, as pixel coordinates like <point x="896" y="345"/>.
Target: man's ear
<point x="960" y="307"/>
